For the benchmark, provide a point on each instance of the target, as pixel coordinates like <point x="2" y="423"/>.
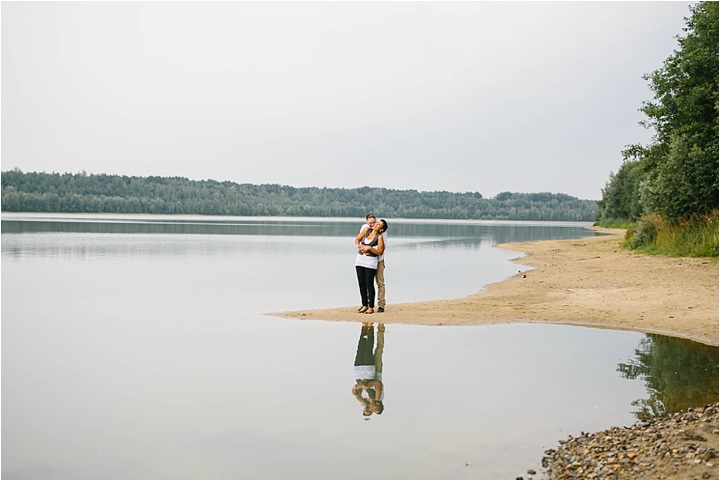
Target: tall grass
<point x="696" y="236"/>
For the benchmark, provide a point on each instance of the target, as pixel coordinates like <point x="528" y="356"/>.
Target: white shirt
<point x="366" y="394"/>
<point x="364" y="372"/>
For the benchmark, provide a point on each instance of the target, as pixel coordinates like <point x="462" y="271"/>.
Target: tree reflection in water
<point x="679" y="374"/>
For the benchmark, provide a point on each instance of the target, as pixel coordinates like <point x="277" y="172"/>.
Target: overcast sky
<point x="467" y="96"/>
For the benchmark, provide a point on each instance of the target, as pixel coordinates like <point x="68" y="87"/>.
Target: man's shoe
<point x="381" y="309"/>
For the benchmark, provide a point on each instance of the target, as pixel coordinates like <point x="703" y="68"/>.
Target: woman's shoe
<point x="363" y="309"/>
<point x="369" y="311"/>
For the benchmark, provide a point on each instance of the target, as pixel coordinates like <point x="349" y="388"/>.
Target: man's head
<point x="370" y="219"/>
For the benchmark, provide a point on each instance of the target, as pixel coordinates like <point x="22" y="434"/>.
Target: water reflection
<point x="679" y="374"/>
<point x="443" y="233"/>
<point x="128" y="236"/>
<point x="369" y="389"/>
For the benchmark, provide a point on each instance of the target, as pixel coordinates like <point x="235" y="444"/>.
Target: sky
<point x="433" y="96"/>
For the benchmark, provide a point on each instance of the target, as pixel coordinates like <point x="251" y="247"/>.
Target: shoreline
<point x="674" y="446"/>
<point x="589" y="282"/>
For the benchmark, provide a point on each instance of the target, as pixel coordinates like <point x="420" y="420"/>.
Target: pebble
<point x="659" y="448"/>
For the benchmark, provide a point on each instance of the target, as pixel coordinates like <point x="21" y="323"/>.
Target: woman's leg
<point x="364" y="355"/>
<point x="362" y="283"/>
<point x="370" y="283"/>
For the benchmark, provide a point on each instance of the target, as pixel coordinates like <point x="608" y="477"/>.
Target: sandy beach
<point x="589" y="282"/>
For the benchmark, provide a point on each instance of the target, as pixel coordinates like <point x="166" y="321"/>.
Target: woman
<point x="369" y="247"/>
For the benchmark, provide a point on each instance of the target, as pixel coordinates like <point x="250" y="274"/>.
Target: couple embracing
<point x="370" y="263"/>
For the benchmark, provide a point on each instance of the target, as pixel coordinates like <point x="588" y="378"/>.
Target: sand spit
<point x="590" y="282"/>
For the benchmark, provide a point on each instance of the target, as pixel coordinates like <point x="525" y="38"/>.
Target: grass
<point x="696" y="236"/>
<point x="615" y="224"/>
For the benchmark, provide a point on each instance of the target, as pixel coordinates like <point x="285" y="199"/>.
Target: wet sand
<point x="589" y="282"/>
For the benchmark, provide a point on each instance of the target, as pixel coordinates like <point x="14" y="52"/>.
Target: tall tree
<point x="678" y="171"/>
<point x="683" y="163"/>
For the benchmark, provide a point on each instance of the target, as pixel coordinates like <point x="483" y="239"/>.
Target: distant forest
<point x="101" y="193"/>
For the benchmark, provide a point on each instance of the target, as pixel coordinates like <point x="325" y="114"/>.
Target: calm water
<point x="136" y="347"/>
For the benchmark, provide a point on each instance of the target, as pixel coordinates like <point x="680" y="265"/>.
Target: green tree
<point x="677" y="174"/>
<point x="683" y="162"/>
<point x="621" y="196"/>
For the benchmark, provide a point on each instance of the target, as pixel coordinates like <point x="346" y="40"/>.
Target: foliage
<point x="695" y="236"/>
<point x="679" y="374"/>
<point x="43" y="192"/>
<point x="644" y="231"/>
<point x="620" y="202"/>
<point x="676" y="176"/>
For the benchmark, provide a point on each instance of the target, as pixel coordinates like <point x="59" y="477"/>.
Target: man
<point x="370" y="221"/>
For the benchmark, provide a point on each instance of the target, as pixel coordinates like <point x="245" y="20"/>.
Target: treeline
<point x="673" y="182"/>
<point x="101" y="193"/>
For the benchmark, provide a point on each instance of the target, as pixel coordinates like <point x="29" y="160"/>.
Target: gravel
<point x="676" y="446"/>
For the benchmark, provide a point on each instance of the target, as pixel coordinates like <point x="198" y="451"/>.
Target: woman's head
<point x="381" y="225"/>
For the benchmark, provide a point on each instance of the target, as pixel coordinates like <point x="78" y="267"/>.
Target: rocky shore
<point x="677" y="446"/>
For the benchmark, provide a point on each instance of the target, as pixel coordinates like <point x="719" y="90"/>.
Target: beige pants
<point x="379" y="347"/>
<point x="380" y="279"/>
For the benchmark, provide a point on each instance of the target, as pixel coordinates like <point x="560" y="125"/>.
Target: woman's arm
<point x="375" y="250"/>
<point x="357" y="394"/>
<point x="378" y="251"/>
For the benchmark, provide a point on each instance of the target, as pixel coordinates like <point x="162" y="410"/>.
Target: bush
<point x="644" y="231"/>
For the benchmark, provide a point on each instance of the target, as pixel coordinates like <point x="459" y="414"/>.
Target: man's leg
<point x="380" y="279"/>
<point x="379" y="351"/>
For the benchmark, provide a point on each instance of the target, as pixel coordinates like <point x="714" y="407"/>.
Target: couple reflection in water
<point x="368" y="388"/>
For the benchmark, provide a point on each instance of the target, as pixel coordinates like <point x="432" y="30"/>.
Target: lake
<point x="136" y="347"/>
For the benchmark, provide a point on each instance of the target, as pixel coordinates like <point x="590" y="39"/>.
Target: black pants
<point x="365" y="355"/>
<point x="366" y="281"/>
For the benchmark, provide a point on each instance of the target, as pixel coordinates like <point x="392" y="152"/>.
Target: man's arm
<point x="377" y="386"/>
<point x="361" y="235"/>
<point x="378" y="251"/>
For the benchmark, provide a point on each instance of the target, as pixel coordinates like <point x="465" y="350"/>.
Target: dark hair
<point x="370" y="215"/>
<point x="385" y="224"/>
<point x="381" y="407"/>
